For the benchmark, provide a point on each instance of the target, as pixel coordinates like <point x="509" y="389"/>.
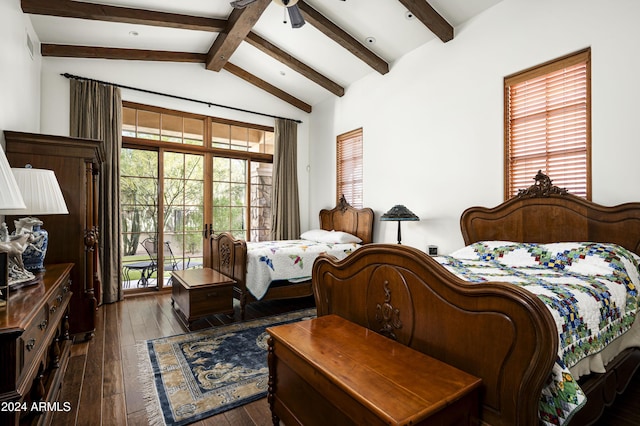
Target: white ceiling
<point x="384" y="20"/>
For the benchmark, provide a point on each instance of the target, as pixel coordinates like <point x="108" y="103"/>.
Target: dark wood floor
<point x="102" y="385"/>
<point x="102" y="378"/>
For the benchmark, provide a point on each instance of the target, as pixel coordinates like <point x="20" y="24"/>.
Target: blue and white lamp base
<point x="33" y="256"/>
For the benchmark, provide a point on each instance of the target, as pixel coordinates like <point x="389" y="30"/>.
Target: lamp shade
<point x="41" y="192"/>
<point x="399" y="212"/>
<point x="10" y="196"/>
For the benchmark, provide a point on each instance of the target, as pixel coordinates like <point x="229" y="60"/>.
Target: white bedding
<point x="596" y="363"/>
<point x="286" y="260"/>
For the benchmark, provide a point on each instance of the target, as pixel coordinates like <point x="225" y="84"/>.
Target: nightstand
<point x="200" y="293"/>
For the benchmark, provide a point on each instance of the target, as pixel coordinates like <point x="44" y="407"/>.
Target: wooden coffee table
<point x="200" y="293"/>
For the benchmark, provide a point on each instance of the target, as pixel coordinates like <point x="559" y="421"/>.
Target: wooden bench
<point x="332" y="371"/>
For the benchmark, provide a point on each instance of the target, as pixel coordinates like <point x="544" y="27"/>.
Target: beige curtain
<point x="285" y="206"/>
<point x="96" y="113"/>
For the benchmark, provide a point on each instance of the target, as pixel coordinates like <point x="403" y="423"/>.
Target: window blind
<point x="349" y="167"/>
<point x="548" y="125"/>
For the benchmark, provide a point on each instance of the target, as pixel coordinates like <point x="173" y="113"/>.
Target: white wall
<point x="185" y="80"/>
<point x="433" y="126"/>
<point x="19" y="72"/>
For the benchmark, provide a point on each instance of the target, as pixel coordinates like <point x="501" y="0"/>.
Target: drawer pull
<point x="30" y="344"/>
<point x="43" y="324"/>
<point x="53" y="309"/>
<point x="59" y="298"/>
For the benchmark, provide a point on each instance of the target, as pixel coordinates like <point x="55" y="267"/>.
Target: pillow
<point x="314" y="234"/>
<point x="344" y="237"/>
<point x="332" y="237"/>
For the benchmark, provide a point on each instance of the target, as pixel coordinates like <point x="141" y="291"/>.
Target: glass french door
<point x="166" y="197"/>
<point x="162" y="203"/>
<point x="229" y="196"/>
<point x="182" y="212"/>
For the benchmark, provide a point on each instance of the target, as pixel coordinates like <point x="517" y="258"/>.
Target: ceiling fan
<point x="292" y="8"/>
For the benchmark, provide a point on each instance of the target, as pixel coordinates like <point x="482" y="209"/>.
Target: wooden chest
<point x="199" y="293"/>
<point x="332" y="371"/>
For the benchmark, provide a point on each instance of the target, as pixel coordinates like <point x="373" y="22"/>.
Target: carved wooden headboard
<point x="545" y="213"/>
<point x="343" y="217"/>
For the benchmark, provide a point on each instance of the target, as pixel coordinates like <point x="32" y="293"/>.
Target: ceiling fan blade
<point x="241" y="4"/>
<point x="296" y="17"/>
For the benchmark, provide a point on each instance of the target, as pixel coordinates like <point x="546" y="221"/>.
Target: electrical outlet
<point x="432" y="250"/>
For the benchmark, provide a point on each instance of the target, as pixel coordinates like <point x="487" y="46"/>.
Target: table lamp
<point x="399" y="213"/>
<point x="10" y="198"/>
<point x="42" y="196"/>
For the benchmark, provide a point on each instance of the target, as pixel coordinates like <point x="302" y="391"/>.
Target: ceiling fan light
<point x="296" y="17"/>
<point x="285" y="3"/>
<point x="241" y="4"/>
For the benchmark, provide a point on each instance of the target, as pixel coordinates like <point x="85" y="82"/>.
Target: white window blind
<point x="349" y="167"/>
<point x="548" y="125"/>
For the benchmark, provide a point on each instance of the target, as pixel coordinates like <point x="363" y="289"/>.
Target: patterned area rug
<point x="192" y="376"/>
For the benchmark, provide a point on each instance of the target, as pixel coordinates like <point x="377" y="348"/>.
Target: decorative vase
<point x="33" y="256"/>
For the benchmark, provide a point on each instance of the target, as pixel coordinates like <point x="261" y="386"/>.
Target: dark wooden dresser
<point x="73" y="237"/>
<point x="35" y="347"/>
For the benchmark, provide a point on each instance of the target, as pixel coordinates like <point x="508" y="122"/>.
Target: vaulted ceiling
<point x="341" y="42"/>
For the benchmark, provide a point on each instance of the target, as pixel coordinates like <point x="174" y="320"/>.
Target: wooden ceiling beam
<point x="239" y="24"/>
<point x="341" y="37"/>
<point x="231" y="33"/>
<point x="71" y="51"/>
<point x="280" y="55"/>
<point x="99" y="12"/>
<point x="267" y="87"/>
<point x="68" y="51"/>
<point x="429" y="17"/>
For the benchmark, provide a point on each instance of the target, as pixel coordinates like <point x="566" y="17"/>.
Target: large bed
<point x="498" y="331"/>
<point x="282" y="269"/>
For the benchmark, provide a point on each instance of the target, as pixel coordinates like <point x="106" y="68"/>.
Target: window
<point x="241" y="138"/>
<point x="180" y="171"/>
<point x="349" y="167"/>
<point x="548" y="125"/>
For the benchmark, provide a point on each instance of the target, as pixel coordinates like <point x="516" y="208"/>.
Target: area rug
<point x="192" y="376"/>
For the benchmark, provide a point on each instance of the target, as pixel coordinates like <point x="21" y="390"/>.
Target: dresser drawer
<point x="203" y="301"/>
<point x="58" y="302"/>
<point x="33" y="337"/>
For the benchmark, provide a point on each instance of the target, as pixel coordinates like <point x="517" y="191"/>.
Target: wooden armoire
<point x="73" y="238"/>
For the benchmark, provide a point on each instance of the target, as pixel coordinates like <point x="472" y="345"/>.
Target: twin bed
<point x="539" y="354"/>
<point x="282" y="269"/>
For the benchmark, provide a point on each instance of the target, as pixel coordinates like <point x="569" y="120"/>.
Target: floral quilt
<point x="591" y="289"/>
<point x="286" y="260"/>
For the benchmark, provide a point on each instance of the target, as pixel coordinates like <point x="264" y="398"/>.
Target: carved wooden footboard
<point x="229" y="256"/>
<point x="497" y="332"/>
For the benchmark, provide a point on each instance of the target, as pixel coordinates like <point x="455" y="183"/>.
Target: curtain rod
<point x="209" y="104"/>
